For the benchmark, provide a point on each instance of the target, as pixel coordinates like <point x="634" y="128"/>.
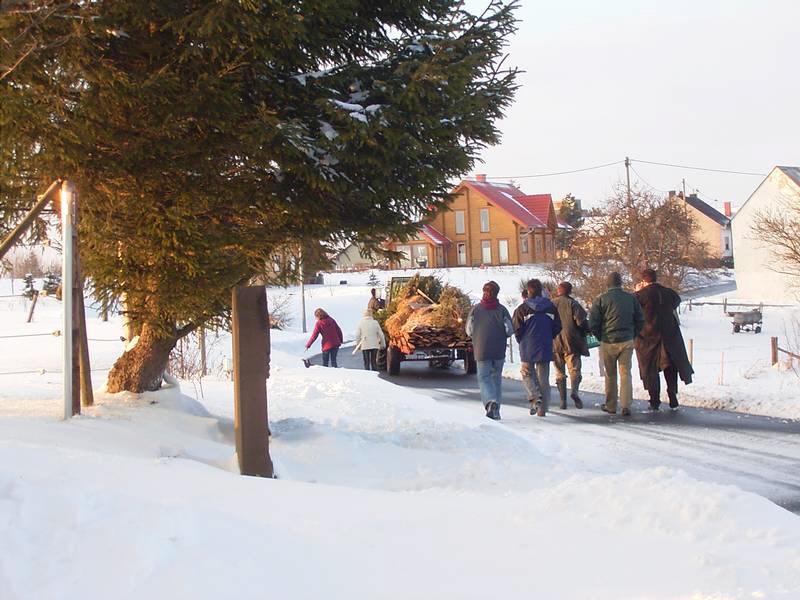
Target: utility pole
<point x="628" y="178"/>
<point x="303" y="289"/>
<point x="67" y="193"/>
<point x="683" y="181"/>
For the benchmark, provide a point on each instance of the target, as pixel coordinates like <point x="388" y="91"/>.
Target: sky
<point x="704" y="83"/>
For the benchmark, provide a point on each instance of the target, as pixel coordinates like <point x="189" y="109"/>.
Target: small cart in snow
<point x="750" y="320"/>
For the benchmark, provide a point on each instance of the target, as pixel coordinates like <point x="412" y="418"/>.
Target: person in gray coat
<point x="489" y="326"/>
<point x="570" y="344"/>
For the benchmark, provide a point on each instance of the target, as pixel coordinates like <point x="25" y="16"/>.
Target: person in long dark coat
<point x="570" y="344"/>
<point x="659" y="346"/>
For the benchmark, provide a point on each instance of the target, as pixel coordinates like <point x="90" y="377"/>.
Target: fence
<point x="776" y="350"/>
<point x="726" y="303"/>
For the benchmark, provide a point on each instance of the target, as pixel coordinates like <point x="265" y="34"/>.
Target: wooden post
<point x="690" y="305"/>
<point x="250" y="330"/>
<point x="201" y="342"/>
<point x="774" y="345"/>
<point x="33" y="305"/>
<point x="691" y="351"/>
<point x="725" y="305"/>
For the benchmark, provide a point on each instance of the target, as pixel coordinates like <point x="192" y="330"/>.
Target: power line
<point x="650" y="162"/>
<point x="617" y="162"/>
<point x="643" y="180"/>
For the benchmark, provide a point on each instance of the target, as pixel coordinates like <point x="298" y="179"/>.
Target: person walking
<point x="489" y="326"/>
<point x="536" y="324"/>
<point x="375" y="303"/>
<point x="659" y="346"/>
<point x="570" y="344"/>
<point x="369" y="339"/>
<point x="331" y="337"/>
<point x="616" y="319"/>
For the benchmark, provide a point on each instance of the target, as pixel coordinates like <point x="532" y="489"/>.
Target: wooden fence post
<point x="250" y="328"/>
<point x="774" y="345"/>
<point x="725" y="305"/>
<point x="33" y="305"/>
<point x="201" y="342"/>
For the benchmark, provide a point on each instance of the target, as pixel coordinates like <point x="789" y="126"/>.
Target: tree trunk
<point x="141" y="369"/>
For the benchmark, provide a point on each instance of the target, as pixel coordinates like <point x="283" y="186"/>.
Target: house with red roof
<point x="485" y="224"/>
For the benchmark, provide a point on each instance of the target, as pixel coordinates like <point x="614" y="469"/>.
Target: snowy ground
<point x="383" y="492"/>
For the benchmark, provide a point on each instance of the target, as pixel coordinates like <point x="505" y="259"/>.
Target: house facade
<point x="487" y="224"/>
<point x="713" y="227"/>
<point x="756" y="269"/>
<point x="352" y="258"/>
<point x="429" y="249"/>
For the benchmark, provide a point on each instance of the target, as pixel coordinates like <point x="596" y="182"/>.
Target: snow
<point x="382" y="491"/>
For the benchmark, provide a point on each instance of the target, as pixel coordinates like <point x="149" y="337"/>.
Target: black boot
<point x="655" y="402"/>
<point x="673" y="399"/>
<point x="576" y="399"/>
<point x="561" y="384"/>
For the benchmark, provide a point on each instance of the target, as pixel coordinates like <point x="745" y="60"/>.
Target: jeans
<point x="568" y="363"/>
<point x="536" y="380"/>
<point x="490" y="378"/>
<point x="370" y="359"/>
<point x="330" y="355"/>
<point x="615" y="355"/>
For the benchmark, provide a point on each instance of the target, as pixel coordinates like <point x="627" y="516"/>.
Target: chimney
<point x="727" y="209"/>
<point x="481" y="177"/>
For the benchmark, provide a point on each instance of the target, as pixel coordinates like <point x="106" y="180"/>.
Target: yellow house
<point x="485" y="224"/>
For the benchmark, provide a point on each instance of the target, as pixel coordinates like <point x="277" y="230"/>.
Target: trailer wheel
<point x="393" y="356"/>
<point x="758" y="329"/>
<point x="470" y="366"/>
<point x="736" y="329"/>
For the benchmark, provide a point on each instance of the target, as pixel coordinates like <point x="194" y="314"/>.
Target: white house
<point x="754" y="263"/>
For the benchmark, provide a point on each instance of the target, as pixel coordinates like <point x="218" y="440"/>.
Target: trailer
<point x="437" y="356"/>
<point x="750" y="320"/>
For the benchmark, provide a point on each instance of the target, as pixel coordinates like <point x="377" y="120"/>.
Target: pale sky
<point x="707" y="83"/>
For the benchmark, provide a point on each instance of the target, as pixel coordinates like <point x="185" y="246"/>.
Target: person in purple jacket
<point x="331" y="337"/>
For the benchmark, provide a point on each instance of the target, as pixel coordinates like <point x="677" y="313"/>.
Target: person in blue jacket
<point x="536" y="324"/>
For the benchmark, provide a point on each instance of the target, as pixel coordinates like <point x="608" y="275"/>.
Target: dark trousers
<point x="370" y="359"/>
<point x="671" y="377"/>
<point x="330" y="355"/>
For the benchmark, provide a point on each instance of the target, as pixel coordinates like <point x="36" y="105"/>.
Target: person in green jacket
<point x="616" y="319"/>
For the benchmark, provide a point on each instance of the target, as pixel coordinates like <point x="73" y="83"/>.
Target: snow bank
<point x="128" y="503"/>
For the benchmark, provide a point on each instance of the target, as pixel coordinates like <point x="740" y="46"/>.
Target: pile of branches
<point x="420" y="322"/>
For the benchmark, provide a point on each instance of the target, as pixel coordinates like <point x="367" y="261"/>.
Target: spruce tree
<point x="205" y="135"/>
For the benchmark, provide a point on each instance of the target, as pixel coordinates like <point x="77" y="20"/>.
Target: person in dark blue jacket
<point x="536" y="324"/>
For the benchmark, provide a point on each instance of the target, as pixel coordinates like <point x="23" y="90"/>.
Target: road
<point x="759" y="454"/>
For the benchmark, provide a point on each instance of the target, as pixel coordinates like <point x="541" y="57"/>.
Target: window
<point x="524" y="245"/>
<point x="484" y="220"/>
<point x="727" y="243"/>
<point x="486" y="252"/>
<point x="551" y="248"/>
<point x="538" y="245"/>
<point x="502" y="251"/>
<point x="462" y="254"/>
<point x="405" y="261"/>
<point x="459" y="221"/>
<point x="420" y="255"/>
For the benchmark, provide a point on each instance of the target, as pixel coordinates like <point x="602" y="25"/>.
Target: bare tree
<point x="778" y="228"/>
<point x="628" y="236"/>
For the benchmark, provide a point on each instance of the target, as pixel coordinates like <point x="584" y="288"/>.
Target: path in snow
<point x="758" y="454"/>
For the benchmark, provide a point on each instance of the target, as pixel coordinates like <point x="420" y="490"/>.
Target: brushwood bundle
<point x="421" y="322"/>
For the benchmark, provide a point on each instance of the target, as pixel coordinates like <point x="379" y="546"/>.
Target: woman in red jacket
<point x="331" y="337"/>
